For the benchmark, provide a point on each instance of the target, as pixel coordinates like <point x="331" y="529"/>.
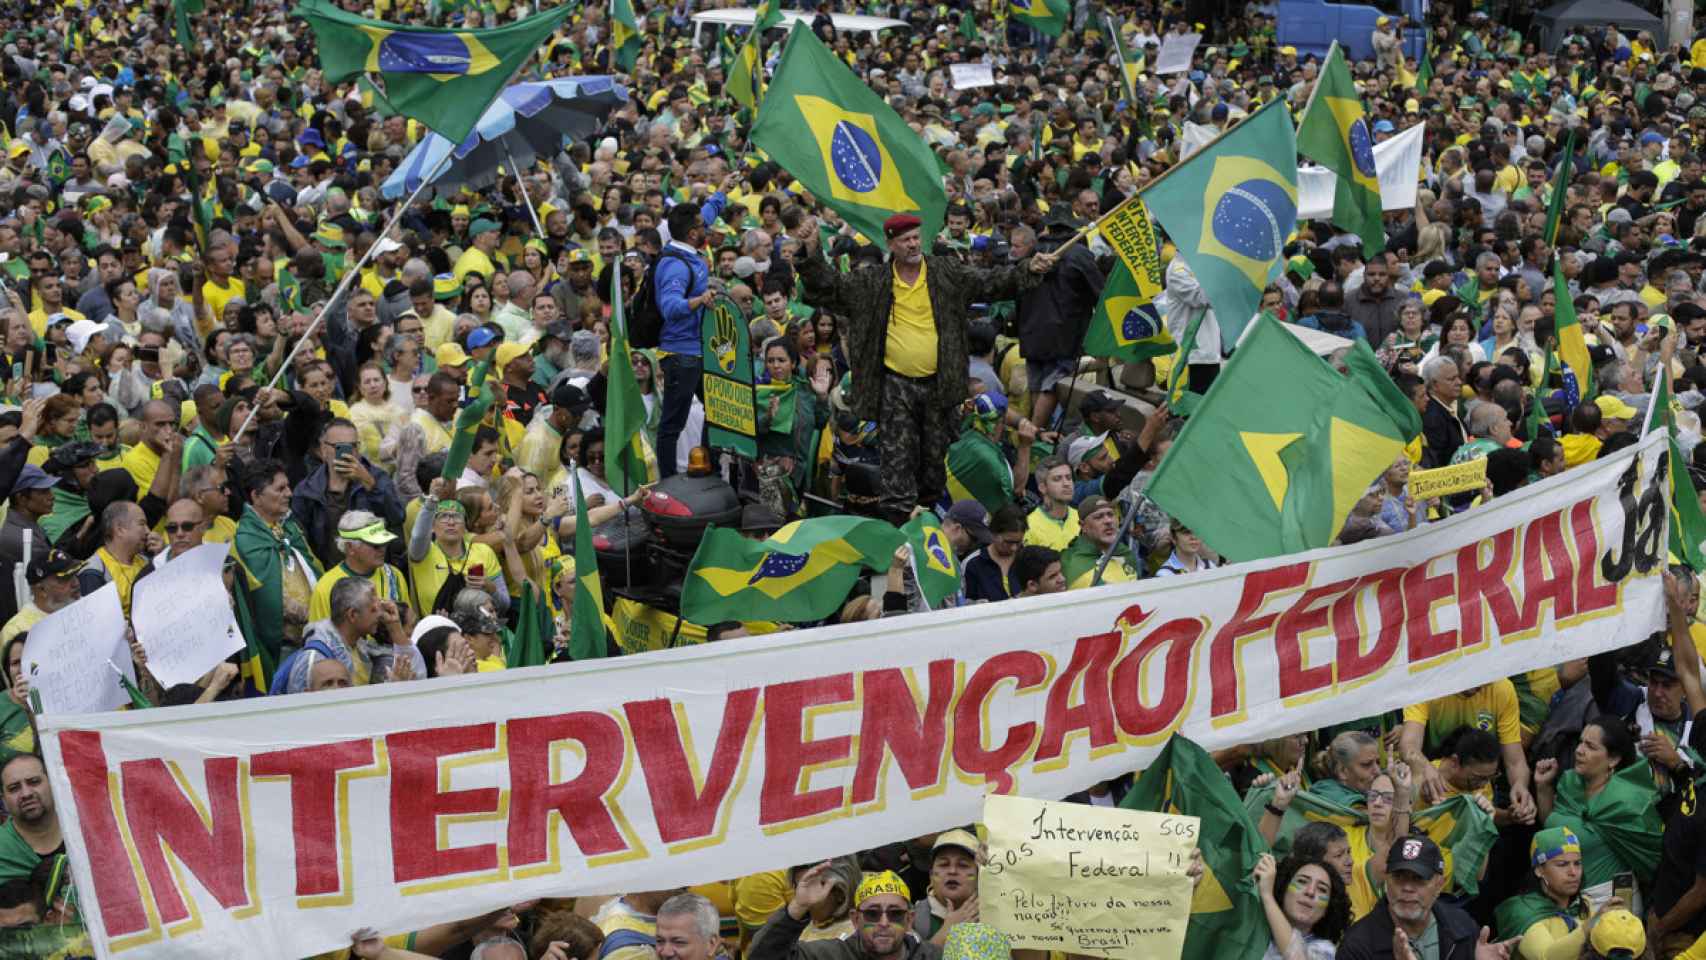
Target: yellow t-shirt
<point x="217" y="296"/>
<point x="388" y="580"/>
<point x="221" y="530"/>
<point x="142" y="463"/>
<point x="759" y="895"/>
<point x="1364" y="894"/>
<point x="1042" y="530"/>
<point x="23" y="620"/>
<point x="911" y="346"/>
<point x="435" y="568"/>
<point x="473" y="260"/>
<point x="38" y="319"/>
<point x="1492" y="707"/>
<point x="1451" y="791"/>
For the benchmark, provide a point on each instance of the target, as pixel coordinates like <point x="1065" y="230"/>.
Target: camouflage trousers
<point x="913" y="432"/>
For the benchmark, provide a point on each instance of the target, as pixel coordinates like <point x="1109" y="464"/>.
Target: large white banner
<point x="272" y="828"/>
<point x="1397" y="163"/>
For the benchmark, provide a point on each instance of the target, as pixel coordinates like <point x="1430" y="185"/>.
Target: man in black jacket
<point x="1410" y="923"/>
<point x="1053" y="315"/>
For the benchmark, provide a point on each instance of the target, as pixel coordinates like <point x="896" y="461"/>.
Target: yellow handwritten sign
<point x="1445" y="481"/>
<point x="1091" y="880"/>
<point x="1129" y="231"/>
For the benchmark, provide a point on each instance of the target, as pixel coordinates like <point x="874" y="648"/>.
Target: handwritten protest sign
<point x="968" y="75"/>
<point x="1445" y="481"/>
<point x="182" y="617"/>
<point x="66" y="654"/>
<point x="1091" y="880"/>
<point x="1177" y="51"/>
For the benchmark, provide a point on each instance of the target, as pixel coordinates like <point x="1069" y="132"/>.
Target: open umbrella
<point x="527" y="121"/>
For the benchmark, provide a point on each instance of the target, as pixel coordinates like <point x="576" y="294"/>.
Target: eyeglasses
<point x="595" y="458"/>
<point x="1384" y="796"/>
<point x="895" y="915"/>
<point x="172" y="528"/>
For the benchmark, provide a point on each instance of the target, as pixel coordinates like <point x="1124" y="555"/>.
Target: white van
<point x="746" y="17"/>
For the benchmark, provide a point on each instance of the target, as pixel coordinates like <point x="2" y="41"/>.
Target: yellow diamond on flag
<point x="1264" y="450"/>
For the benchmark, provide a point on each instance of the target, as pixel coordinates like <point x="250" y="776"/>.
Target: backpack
<point x="645" y="320"/>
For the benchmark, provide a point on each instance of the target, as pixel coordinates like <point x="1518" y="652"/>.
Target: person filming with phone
<point x="343" y="480"/>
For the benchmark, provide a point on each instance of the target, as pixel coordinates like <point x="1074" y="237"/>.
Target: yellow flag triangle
<point x="1359" y="456"/>
<point x="1264" y="450"/>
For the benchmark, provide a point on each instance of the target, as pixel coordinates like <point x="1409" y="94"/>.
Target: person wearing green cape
<point x="74" y="463"/>
<point x="278" y="566"/>
<point x="1550" y="918"/>
<point x="1609" y="802"/>
<point x="31" y="832"/>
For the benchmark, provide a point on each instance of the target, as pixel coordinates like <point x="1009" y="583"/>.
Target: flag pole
<point x="343" y="286"/>
<point x="1108" y="554"/>
<point x="520" y="181"/>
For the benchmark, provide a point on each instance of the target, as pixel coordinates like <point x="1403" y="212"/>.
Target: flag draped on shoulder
<point x="1226" y="922"/>
<point x="1334" y="133"/>
<point x="978" y="470"/>
<point x="1282" y="446"/>
<point x="1229" y="209"/>
<point x="845" y="144"/>
<point x="801" y="573"/>
<point x="444" y="78"/>
<point x="1049" y="16"/>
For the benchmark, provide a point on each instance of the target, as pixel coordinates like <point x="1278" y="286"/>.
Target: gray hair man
<point x="687" y="928"/>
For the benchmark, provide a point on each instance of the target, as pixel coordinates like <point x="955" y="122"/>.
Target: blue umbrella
<point x="527" y="121"/>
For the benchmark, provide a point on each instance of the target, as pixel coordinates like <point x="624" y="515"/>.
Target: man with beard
<point x="1553" y="914"/>
<point x="31" y="833"/>
<point x="1410" y="921"/>
<point x="882" y="919"/>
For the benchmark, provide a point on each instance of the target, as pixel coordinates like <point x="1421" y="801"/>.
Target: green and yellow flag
<point x="1560" y="189"/>
<point x="933" y="559"/>
<point x="586" y="620"/>
<point x="1050" y="16"/>
<point x="624" y="34"/>
<point x="624" y="406"/>
<point x="1282" y="446"/>
<point x="1687" y="522"/>
<point x="1334" y="133"/>
<point x="978" y="470"/>
<point x="444" y="78"/>
<point x="1226" y="910"/>
<point x="802" y="573"/>
<point x="1131" y="62"/>
<point x="845" y="144"/>
<point x="1576" y="364"/>
<point x="481" y="398"/>
<point x="1229" y="209"/>
<point x="529" y="644"/>
<point x="741" y="77"/>
<point x="1425" y="70"/>
<point x="1125" y="325"/>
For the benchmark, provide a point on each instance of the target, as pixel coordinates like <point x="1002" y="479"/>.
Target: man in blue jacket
<point x="683" y="291"/>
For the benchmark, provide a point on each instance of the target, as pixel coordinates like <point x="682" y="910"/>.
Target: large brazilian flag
<point x="803" y="572"/>
<point x="1229" y="209"/>
<point x="444" y="78"/>
<point x="844" y="144"/>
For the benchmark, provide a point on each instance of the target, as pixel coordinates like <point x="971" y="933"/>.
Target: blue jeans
<point x="681" y="376"/>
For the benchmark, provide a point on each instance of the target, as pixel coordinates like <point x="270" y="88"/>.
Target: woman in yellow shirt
<point x="441" y="549"/>
<point x="1388" y="819"/>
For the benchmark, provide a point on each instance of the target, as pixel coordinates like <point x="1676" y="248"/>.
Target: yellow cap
<point x="877" y="884"/>
<point x="450" y="354"/>
<point x="508" y="351"/>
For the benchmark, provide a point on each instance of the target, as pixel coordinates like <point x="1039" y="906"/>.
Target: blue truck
<point x="1312" y="25"/>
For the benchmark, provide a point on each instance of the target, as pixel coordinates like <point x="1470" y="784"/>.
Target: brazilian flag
<point x="978" y="470"/>
<point x="1334" y="133"/>
<point x="58" y="168"/>
<point x="586" y="620"/>
<point x="1687" y="523"/>
<point x="481" y="397"/>
<point x="1425" y="71"/>
<point x="743" y="73"/>
<point x="802" y="573"/>
<point x="933" y="559"/>
<point x="1125" y="325"/>
<point x="1227" y="922"/>
<point x="624" y="34"/>
<point x="182" y="10"/>
<point x="783" y="393"/>
<point x="844" y="144"/>
<point x="529" y="644"/>
<point x="1465" y="834"/>
<point x="1229" y="209"/>
<point x="444" y="78"/>
<point x="1049" y="16"/>
<point x="1576" y="363"/>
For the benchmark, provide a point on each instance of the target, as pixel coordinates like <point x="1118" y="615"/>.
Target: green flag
<point x="1577" y="363"/>
<point x="529" y="644"/>
<point x="624" y="34"/>
<point x="769" y="15"/>
<point x="1560" y="187"/>
<point x="1229" y="208"/>
<point x="58" y="168"/>
<point x="742" y="74"/>
<point x="1131" y="62"/>
<point x="1180" y="398"/>
<point x="182" y="10"/>
<point x="586" y="620"/>
<point x="1687" y="523"/>
<point x="978" y="470"/>
<point x="845" y="144"/>
<point x="481" y="397"/>
<point x="783" y="394"/>
<point x="624" y="406"/>
<point x="138" y="699"/>
<point x="1537" y="420"/>
<point x="1227" y="922"/>
<point x="444" y="78"/>
<point x="1334" y="133"/>
<point x="1282" y="446"/>
<point x="804" y="572"/>
<point x="1050" y="16"/>
<point x="1464" y="832"/>
<point x="1425" y="72"/>
<point x="1125" y="325"/>
<point x="933" y="559"/>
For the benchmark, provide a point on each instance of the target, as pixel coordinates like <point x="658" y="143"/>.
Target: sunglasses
<point x="895" y="915"/>
<point x="172" y="528"/>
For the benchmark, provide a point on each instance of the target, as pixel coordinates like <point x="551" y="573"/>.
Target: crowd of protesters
<point x="177" y="371"/>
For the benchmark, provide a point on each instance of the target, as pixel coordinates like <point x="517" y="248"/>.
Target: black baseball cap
<point x="1098" y="400"/>
<point x="570" y="397"/>
<point x="1418" y="856"/>
<point x="54" y="563"/>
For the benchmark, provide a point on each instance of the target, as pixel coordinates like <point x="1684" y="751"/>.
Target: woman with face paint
<point x="1306" y="906"/>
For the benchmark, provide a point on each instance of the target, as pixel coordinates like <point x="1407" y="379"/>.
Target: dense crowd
<point x="184" y="365"/>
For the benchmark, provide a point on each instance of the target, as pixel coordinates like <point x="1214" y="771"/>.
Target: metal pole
<point x="343" y="285"/>
<point x="526" y="198"/>
<point x="1108" y="554"/>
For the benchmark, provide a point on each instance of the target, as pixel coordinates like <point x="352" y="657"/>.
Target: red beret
<point x="899" y="224"/>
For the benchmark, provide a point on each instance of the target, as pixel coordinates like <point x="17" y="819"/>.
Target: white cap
<point x="87" y="83"/>
<point x="386" y="245"/>
<point x="78" y="103"/>
<point x="101" y="90"/>
<point x="81" y="332"/>
<point x="428" y="624"/>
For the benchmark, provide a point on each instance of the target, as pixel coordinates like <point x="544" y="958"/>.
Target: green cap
<point x="480" y="226"/>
